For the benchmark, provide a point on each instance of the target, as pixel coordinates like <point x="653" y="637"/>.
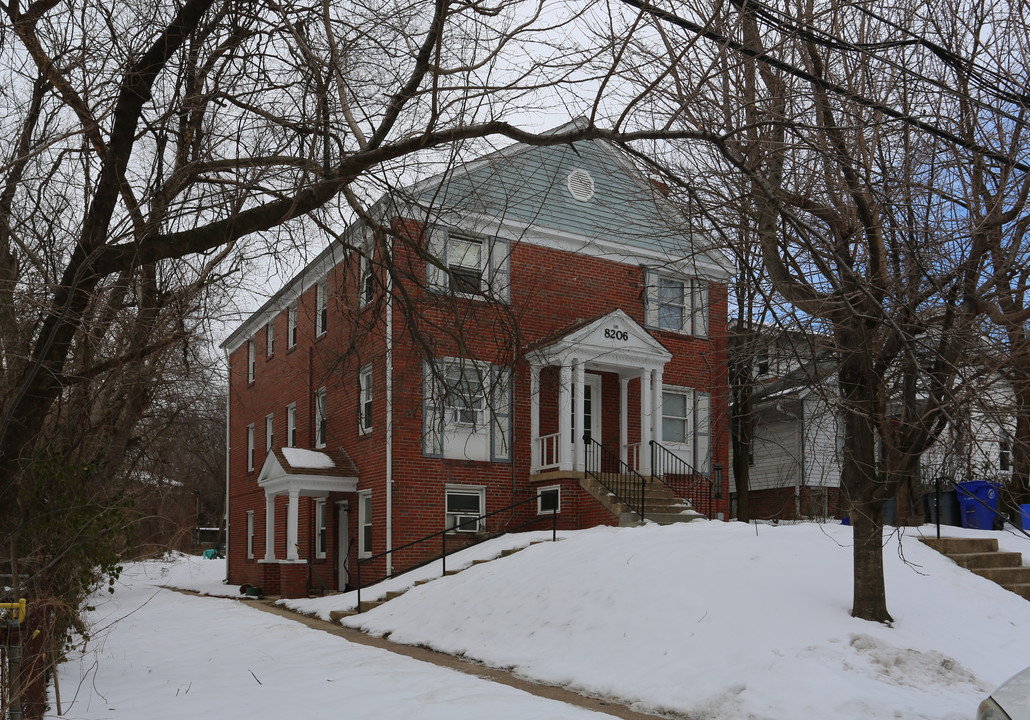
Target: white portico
<point x="613" y="343"/>
<point x="297" y="473"/>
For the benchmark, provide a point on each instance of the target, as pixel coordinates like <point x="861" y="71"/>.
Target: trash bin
<point x="1024" y="517"/>
<point x="949" y="510"/>
<point x="978" y="500"/>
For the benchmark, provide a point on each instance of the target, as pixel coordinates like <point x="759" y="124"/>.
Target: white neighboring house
<point x="796" y="458"/>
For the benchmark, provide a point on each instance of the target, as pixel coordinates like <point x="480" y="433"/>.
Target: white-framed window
<point x="322" y="299"/>
<point x="1004" y="451"/>
<point x="291" y="325"/>
<point x="320" y="418"/>
<point x="464" y="505"/>
<point x="548" y="500"/>
<point x="291" y="425"/>
<point x="466" y="410"/>
<point x="686" y="424"/>
<point x="250" y="447"/>
<point x="365" y="399"/>
<point x="250" y="534"/>
<point x="320" y="528"/>
<point x="468" y="265"/>
<point x="367" y="283"/>
<point x="270" y="338"/>
<point x="364" y="523"/>
<point x="251" y="363"/>
<point x="464" y="392"/>
<point x="269" y="431"/>
<point x="675" y="303"/>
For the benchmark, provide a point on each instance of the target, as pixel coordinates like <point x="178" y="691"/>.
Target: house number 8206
<point x="616" y="334"/>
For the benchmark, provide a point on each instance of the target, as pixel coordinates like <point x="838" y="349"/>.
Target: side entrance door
<point x="343" y="544"/>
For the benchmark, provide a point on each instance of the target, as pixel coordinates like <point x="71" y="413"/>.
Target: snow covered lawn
<point x="715" y="620"/>
<point x="161" y="655"/>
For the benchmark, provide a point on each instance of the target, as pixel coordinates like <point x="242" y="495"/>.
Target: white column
<point x="269" y="527"/>
<point x="645" y="423"/>
<point x="624" y="419"/>
<point x="292" y="512"/>
<point x="656" y="407"/>
<point x="578" y="444"/>
<point x="534" y="418"/>
<point x="565" y="418"/>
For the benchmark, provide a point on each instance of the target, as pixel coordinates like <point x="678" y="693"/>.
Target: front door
<point x="343" y="544"/>
<point x="591" y="406"/>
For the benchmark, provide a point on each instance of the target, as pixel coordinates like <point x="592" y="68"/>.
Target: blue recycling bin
<point x="978" y="500"/>
<point x="1024" y="517"/>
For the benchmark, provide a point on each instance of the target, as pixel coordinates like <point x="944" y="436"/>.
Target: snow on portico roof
<point x="302" y="458"/>
<point x="311" y="472"/>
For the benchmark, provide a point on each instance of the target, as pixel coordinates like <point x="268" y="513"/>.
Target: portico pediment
<point x="613" y="342"/>
<point x="314" y="473"/>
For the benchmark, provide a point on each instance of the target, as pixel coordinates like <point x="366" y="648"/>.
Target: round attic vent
<point x="581" y="185"/>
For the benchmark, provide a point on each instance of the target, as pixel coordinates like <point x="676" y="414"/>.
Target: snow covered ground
<point x="713" y="620"/>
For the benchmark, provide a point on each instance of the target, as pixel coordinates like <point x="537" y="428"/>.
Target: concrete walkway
<point x="551" y="692"/>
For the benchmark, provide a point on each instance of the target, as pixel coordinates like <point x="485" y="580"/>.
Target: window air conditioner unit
<point x="466" y="523"/>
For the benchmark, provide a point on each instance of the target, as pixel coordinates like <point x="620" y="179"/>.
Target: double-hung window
<point x="291" y="325"/>
<point x="322" y="300"/>
<point x="677" y="304"/>
<point x="467" y="265"/>
<point x="464" y="506"/>
<point x="269" y="431"/>
<point x="686" y="426"/>
<point x="466" y="410"/>
<point x="320" y="419"/>
<point x="250" y="361"/>
<point x="250" y="447"/>
<point x="291" y="425"/>
<point x="365" y="523"/>
<point x="367" y="284"/>
<point x="1004" y="451"/>
<point x="250" y="534"/>
<point x="270" y="338"/>
<point x="320" y="529"/>
<point x="365" y="399"/>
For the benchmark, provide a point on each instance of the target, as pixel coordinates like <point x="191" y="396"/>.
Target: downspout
<point x="228" y="435"/>
<point x="389" y="418"/>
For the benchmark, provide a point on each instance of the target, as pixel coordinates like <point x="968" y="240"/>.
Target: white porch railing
<point x="548" y="452"/>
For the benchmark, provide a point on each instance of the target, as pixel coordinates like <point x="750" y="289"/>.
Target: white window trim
<point x="291" y="425"/>
<point x="539" y="500"/>
<point x="251" y="361"/>
<point x="250" y="534"/>
<point x="688" y="394"/>
<point x="363" y="521"/>
<point x="322" y="305"/>
<point x="270" y="338"/>
<point x="494" y="264"/>
<point x="321" y="418"/>
<point x="291" y="326"/>
<point x="250" y="448"/>
<point x="366" y="399"/>
<point x="478" y="490"/>
<point x="366" y="282"/>
<point x="452" y="411"/>
<point x="269" y="431"/>
<point x="321" y="529"/>
<point x="695" y="313"/>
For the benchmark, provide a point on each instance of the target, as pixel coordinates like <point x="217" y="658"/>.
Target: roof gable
<point x="613" y="342"/>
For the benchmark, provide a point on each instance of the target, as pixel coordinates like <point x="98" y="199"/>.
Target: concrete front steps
<point x="981" y="555"/>
<point x="366" y="605"/>
<point x="661" y="505"/>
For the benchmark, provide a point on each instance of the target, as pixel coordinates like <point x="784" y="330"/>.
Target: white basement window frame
<point x="463" y="504"/>
<point x="548" y="500"/>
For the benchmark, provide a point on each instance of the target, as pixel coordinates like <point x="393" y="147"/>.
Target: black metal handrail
<point x="683" y="479"/>
<point x="442" y="534"/>
<point x="618" y="478"/>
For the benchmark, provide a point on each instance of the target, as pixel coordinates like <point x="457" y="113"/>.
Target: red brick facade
<point x="551" y="290"/>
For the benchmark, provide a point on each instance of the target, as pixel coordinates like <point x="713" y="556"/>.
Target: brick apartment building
<point x="499" y="333"/>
